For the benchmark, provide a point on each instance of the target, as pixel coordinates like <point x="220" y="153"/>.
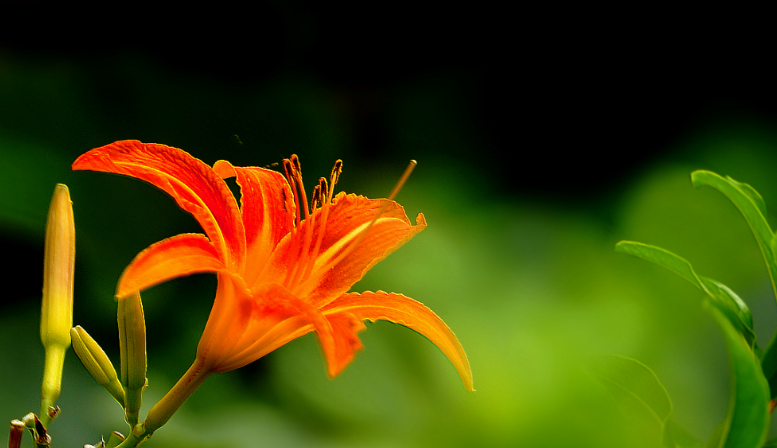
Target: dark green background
<point x="542" y="138"/>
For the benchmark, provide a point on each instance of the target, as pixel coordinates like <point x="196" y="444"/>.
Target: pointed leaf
<point x="661" y="257"/>
<point x="769" y="357"/>
<point x="734" y="308"/>
<point x="751" y="205"/>
<point x="752" y="194"/>
<point x="725" y="300"/>
<point x="747" y="423"/>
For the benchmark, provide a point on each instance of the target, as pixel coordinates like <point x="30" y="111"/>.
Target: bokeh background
<point x="542" y="140"/>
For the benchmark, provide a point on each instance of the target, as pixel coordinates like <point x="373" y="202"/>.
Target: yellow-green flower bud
<point x="96" y="362"/>
<point x="132" y="344"/>
<point x="57" y="309"/>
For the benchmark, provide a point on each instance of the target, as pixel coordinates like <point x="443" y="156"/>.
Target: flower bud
<point x="57" y="307"/>
<point x="132" y="344"/>
<point x="96" y="362"/>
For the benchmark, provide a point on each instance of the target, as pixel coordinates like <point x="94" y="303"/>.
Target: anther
<point x="295" y="164"/>
<point x="315" y="199"/>
<point x="296" y="170"/>
<point x="334" y="177"/>
<point x="323" y="186"/>
<point x="287" y="169"/>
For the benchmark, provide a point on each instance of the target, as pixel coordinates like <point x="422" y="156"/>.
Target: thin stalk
<point x="166" y="407"/>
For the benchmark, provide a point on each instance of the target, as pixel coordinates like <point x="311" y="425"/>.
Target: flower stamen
<point x="327" y="192"/>
<point x="294" y="215"/>
<point x="294" y="176"/>
<point x="322" y="195"/>
<point x="362" y="233"/>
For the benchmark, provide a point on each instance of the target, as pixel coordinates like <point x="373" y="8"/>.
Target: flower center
<point x="305" y="249"/>
<point x="321" y="199"/>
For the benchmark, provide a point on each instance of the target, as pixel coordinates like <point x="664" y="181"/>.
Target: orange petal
<point x="193" y="184"/>
<point x="266" y="336"/>
<point x="414" y="315"/>
<point x="345" y="342"/>
<point x="348" y="217"/>
<point x="279" y="317"/>
<point x="266" y="208"/>
<point x="173" y="257"/>
<point x="229" y="318"/>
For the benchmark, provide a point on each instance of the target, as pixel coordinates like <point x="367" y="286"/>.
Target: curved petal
<point x="383" y="238"/>
<point x="270" y="335"/>
<point x="280" y="317"/>
<point x="344" y="342"/>
<point x="410" y="313"/>
<point x="346" y="252"/>
<point x="266" y="208"/>
<point x="229" y="318"/>
<point x="173" y="257"/>
<point x="193" y="184"/>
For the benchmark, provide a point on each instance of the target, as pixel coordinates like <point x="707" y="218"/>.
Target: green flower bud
<point x="96" y="362"/>
<point x="132" y="344"/>
<point x="57" y="308"/>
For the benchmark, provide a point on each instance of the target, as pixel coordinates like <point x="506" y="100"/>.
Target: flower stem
<point x="166" y="407"/>
<point x="52" y="380"/>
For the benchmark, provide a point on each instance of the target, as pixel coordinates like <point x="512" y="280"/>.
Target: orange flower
<point x="284" y="269"/>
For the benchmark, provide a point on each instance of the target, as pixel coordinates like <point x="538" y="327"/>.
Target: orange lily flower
<point x="284" y="269"/>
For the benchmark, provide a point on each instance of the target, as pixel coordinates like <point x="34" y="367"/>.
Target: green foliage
<point x="752" y="206"/>
<point x="747" y="422"/>
<point x="719" y="295"/>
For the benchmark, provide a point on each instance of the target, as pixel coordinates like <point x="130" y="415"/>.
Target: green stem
<point x="52" y="381"/>
<point x="166" y="407"/>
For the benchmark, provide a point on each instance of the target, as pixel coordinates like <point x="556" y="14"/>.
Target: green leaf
<point x="731" y="303"/>
<point x="630" y="381"/>
<point x="720" y="296"/>
<point x="769" y="357"/>
<point x="752" y="206"/>
<point x="754" y="195"/>
<point x="747" y="423"/>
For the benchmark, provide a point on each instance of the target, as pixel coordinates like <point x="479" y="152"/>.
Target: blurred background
<point x="542" y="139"/>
